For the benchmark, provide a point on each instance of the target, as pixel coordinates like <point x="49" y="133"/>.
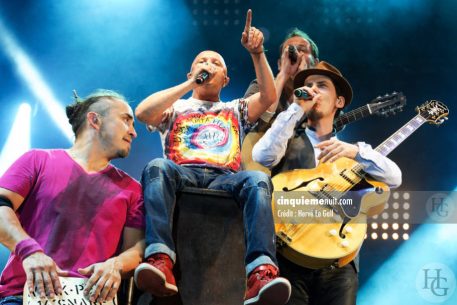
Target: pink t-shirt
<point x="76" y="217"/>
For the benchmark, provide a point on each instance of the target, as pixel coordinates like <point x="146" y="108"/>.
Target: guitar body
<point x="311" y="240"/>
<point x="246" y="153"/>
<point x="322" y="242"/>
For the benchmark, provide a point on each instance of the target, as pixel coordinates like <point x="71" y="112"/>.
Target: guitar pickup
<point x="282" y="239"/>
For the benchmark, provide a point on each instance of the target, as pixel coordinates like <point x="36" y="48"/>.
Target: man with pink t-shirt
<point x="70" y="212"/>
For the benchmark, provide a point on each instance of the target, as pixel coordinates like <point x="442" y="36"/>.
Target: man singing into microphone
<point x="327" y="92"/>
<point x="296" y="53"/>
<point x="202" y="138"/>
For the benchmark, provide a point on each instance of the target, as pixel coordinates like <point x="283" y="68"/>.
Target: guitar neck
<point x="357" y="173"/>
<point x="400" y="135"/>
<point x="433" y="112"/>
<point x="352" y="116"/>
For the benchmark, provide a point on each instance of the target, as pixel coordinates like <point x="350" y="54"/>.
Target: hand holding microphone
<point x="293" y="54"/>
<point x="202" y="77"/>
<point x="305" y="98"/>
<point x="302" y="94"/>
<point x="290" y="61"/>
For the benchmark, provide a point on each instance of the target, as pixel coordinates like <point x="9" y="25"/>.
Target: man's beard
<point x="315" y="115"/>
<point x="122" y="153"/>
<point x="107" y="141"/>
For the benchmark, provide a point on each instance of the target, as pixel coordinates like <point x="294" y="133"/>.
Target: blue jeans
<point x="11" y="300"/>
<point x="162" y="179"/>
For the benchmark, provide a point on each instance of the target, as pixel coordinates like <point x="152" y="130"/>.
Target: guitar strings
<point x="357" y="169"/>
<point x="292" y="230"/>
<point x="346" y="116"/>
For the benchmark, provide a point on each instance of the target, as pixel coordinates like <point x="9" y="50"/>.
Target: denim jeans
<point x="162" y="179"/>
<point x="11" y="300"/>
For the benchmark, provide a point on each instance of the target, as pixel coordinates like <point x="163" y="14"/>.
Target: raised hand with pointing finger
<point x="252" y="38"/>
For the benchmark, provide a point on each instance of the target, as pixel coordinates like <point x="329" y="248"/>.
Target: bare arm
<point x="252" y="40"/>
<point x="285" y="73"/>
<point x="288" y="71"/>
<point x="105" y="277"/>
<point x="11" y="231"/>
<point x="133" y="250"/>
<point x="150" y="110"/>
<point x="40" y="269"/>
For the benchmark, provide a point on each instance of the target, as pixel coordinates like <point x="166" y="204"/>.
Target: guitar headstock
<point x="433" y="112"/>
<point x="389" y="104"/>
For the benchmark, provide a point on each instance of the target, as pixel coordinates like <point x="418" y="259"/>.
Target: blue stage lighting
<point x="31" y="76"/>
<point x="422" y="271"/>
<point x="18" y="141"/>
<point x="4" y="252"/>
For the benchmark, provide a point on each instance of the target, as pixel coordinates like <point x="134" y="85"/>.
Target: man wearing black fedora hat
<point x="325" y="92"/>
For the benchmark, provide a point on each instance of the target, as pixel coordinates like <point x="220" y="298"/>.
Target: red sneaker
<point x="156" y="276"/>
<point x="265" y="287"/>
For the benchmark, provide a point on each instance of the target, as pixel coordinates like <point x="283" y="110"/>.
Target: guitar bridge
<point x="282" y="239"/>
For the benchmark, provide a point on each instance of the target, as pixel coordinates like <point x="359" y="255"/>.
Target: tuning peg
<point x="441" y="121"/>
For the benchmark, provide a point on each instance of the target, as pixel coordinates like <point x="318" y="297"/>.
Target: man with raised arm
<point x="202" y="137"/>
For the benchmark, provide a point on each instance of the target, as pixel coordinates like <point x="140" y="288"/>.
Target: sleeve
<point x="243" y="112"/>
<point x="270" y="149"/>
<point x="135" y="214"/>
<point x="22" y="174"/>
<point x="267" y="116"/>
<point x="252" y="89"/>
<point x="378" y="166"/>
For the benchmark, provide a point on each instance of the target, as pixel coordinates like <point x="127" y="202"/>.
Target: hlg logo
<point x="435" y="282"/>
<point x="440" y="207"/>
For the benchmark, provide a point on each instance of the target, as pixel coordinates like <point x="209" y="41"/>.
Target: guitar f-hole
<point x="345" y="222"/>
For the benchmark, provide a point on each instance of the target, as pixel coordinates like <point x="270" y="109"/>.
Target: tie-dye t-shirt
<point x="207" y="134"/>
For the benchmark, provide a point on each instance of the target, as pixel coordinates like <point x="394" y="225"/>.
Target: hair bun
<point x="71" y="110"/>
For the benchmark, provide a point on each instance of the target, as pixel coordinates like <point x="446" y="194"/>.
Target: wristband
<point x="4" y="201"/>
<point x="27" y="247"/>
<point x="263" y="51"/>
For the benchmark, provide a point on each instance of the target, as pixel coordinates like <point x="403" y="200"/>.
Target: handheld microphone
<point x="302" y="94"/>
<point x="201" y="77"/>
<point x="293" y="54"/>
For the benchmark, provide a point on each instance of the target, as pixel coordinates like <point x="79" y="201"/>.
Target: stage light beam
<point x="18" y="141"/>
<point x="31" y="76"/>
<point x="431" y="243"/>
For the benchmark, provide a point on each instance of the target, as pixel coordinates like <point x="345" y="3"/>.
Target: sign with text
<point x="72" y="294"/>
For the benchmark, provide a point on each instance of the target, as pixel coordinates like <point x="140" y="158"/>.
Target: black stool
<point x="208" y="230"/>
